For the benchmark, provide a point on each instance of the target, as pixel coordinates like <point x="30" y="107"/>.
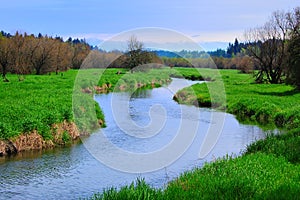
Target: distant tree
<point x="101" y="59"/>
<point x="41" y="54"/>
<point x="61" y="55"/>
<point x="219" y="53"/>
<point x="5" y="56"/>
<point x="79" y="53"/>
<point x="20" y="61"/>
<point x="4" y="34"/>
<point x="136" y="55"/>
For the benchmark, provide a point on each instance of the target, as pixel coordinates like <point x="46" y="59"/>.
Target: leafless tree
<point x="293" y="64"/>
<point x="41" y="54"/>
<point x="61" y="56"/>
<point x="136" y="55"/>
<point x="268" y="47"/>
<point x="20" y="64"/>
<point x="5" y="56"/>
<point x="79" y="53"/>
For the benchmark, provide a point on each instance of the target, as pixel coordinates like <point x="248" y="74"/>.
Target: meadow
<point x="35" y="103"/>
<point x="40" y="101"/>
<point x="268" y="169"/>
<point x="274" y="105"/>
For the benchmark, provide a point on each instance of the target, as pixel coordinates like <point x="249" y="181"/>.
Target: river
<point x="77" y="172"/>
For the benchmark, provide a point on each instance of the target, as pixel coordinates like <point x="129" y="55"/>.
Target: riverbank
<point x="269" y="169"/>
<point x="38" y="113"/>
<point x="275" y="105"/>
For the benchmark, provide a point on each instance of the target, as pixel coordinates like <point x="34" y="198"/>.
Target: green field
<point x="269" y="169"/>
<point x="266" y="104"/>
<point x="35" y="103"/>
<point x="40" y="101"/>
<point x="256" y="176"/>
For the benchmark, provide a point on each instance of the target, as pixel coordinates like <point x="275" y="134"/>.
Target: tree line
<point x="272" y="50"/>
<point x="23" y="54"/>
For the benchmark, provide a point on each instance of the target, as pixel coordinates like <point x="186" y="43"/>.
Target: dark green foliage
<point x="285" y="145"/>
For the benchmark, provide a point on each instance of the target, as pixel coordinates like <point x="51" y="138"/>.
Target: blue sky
<point x="203" y="21"/>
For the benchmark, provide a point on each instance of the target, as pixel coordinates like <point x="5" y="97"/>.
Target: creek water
<point x="77" y="172"/>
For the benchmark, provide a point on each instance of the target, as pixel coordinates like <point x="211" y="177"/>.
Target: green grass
<point x="269" y="169"/>
<point x="137" y="191"/>
<point x="255" y="176"/>
<point x="38" y="102"/>
<point x="35" y="103"/>
<point x="271" y="104"/>
<point x="285" y="145"/>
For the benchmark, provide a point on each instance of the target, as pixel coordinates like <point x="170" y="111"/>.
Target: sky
<point x="211" y="22"/>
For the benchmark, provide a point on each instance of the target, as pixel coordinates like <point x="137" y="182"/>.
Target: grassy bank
<point x="256" y="176"/>
<point x="269" y="169"/>
<point x="271" y="104"/>
<point x="45" y="104"/>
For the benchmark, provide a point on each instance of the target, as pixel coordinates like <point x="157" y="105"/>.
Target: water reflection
<point x="141" y="93"/>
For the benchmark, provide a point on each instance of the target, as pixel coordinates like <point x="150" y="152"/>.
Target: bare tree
<point x="61" y="56"/>
<point x="136" y="55"/>
<point x="41" y="55"/>
<point x="79" y="53"/>
<point x="293" y="19"/>
<point x="5" y="56"/>
<point x="293" y="67"/>
<point x="269" y="47"/>
<point x="20" y="64"/>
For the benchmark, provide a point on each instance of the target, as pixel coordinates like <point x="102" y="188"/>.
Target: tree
<point x="268" y="47"/>
<point x="80" y="50"/>
<point x="136" y="55"/>
<point x="5" y="56"/>
<point x="61" y="55"/>
<point x="294" y="61"/>
<point x="41" y="54"/>
<point x="20" y="61"/>
<point x="293" y="69"/>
